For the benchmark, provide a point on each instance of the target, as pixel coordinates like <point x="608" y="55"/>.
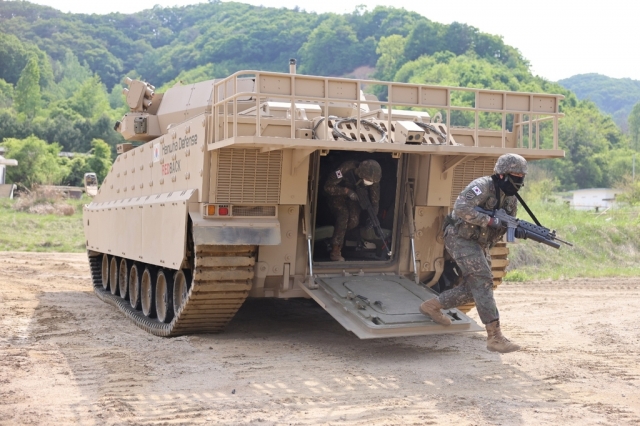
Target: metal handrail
<point x="222" y="99"/>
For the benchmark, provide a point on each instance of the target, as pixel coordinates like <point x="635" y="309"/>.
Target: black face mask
<point x="510" y="184"/>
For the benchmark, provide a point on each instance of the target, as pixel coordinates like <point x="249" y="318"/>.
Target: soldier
<point x="343" y="200"/>
<point x="468" y="237"/>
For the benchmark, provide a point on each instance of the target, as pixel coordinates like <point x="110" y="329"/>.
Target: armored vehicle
<point x="218" y="196"/>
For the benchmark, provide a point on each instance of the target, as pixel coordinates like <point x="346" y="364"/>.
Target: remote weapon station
<point x="218" y="196"/>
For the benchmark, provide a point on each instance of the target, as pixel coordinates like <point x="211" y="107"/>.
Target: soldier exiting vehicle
<point x="468" y="237"/>
<point x="343" y="199"/>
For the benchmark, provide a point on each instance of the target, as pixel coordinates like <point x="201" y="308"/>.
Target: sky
<point x="560" y="38"/>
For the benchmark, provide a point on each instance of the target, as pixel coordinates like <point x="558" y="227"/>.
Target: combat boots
<point x="335" y="253"/>
<point x="496" y="342"/>
<point x="431" y="308"/>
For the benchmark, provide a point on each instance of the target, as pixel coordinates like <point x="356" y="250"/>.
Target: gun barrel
<point x="563" y="241"/>
<point x="539" y="238"/>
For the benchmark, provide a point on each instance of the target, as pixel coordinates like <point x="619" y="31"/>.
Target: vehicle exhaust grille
<point x="464" y="173"/>
<point x="269" y="211"/>
<point x="248" y="176"/>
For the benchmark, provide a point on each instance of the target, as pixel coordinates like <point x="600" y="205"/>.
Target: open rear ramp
<point x="373" y="306"/>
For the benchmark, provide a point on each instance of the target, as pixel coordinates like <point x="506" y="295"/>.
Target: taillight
<point x="211" y="209"/>
<point x="223" y="211"/>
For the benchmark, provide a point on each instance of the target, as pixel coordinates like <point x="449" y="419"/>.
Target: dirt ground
<point x="68" y="358"/>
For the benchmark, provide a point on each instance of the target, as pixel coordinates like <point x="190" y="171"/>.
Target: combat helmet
<point x="510" y="163"/>
<point x="369" y="170"/>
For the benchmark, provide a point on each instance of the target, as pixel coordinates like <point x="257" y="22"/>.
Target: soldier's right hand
<point x="353" y="196"/>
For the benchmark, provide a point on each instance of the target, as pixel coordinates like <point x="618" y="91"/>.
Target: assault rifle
<point x="532" y="231"/>
<point x="365" y="204"/>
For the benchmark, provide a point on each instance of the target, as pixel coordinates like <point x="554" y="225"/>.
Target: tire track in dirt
<point x="67" y="357"/>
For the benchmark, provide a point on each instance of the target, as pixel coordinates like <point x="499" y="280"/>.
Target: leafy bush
<point x="38" y="162"/>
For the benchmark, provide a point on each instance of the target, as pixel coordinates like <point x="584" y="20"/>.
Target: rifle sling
<point x="497" y="188"/>
<point x="535" y="219"/>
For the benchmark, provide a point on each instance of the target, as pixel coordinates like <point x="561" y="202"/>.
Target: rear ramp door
<point x="382" y="306"/>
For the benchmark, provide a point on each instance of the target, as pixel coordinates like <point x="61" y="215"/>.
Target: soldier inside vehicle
<point x="343" y="229"/>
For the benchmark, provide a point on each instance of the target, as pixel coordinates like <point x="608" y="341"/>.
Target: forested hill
<point x="220" y="38"/>
<point x="616" y="96"/>
<point x="61" y="73"/>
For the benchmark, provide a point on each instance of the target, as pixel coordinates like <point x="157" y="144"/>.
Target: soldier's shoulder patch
<point x="474" y="191"/>
<point x="339" y="174"/>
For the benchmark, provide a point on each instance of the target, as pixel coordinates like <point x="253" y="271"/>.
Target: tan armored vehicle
<point x="219" y="197"/>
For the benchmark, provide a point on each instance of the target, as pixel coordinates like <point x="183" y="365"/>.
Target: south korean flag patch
<point x="475" y="191"/>
<point x="338" y="174"/>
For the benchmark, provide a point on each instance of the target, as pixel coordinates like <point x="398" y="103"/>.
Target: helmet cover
<point x="510" y="163"/>
<point x="369" y="170"/>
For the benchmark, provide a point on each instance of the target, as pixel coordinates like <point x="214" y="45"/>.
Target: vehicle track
<point x="222" y="279"/>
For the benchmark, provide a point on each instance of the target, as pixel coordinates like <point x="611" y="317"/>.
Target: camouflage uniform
<point x="345" y="210"/>
<point x="468" y="239"/>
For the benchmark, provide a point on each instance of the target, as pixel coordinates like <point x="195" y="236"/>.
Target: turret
<point x="139" y="94"/>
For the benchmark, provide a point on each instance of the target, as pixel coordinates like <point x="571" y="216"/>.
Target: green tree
<point x="71" y="75"/>
<point x="100" y="160"/>
<point x="13" y="57"/>
<point x="588" y="138"/>
<point x="91" y="99"/>
<point x="424" y="39"/>
<point x="77" y="168"/>
<point x="38" y="162"/>
<point x="330" y="48"/>
<point x="634" y="126"/>
<point x="631" y="189"/>
<point x="6" y="94"/>
<point x="27" y="93"/>
<point x="459" y="38"/>
<point x="390" y="52"/>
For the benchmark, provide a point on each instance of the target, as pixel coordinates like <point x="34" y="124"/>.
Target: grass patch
<point x="42" y="225"/>
<point x="606" y="244"/>
<point x="517" y="275"/>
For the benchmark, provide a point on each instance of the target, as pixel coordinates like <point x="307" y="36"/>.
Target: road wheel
<point x="123" y="278"/>
<point x="113" y="275"/>
<point x="105" y="271"/>
<point x="147" y="292"/>
<point x="164" y="296"/>
<point x="181" y="284"/>
<point x="134" y="286"/>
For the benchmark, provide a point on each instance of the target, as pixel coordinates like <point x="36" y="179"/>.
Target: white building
<point x="594" y="198"/>
<point x="6" y="190"/>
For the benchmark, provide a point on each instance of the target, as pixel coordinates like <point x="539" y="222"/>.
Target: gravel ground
<point x="66" y="357"/>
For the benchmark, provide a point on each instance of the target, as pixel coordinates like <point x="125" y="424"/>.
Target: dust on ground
<point x="68" y="358"/>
